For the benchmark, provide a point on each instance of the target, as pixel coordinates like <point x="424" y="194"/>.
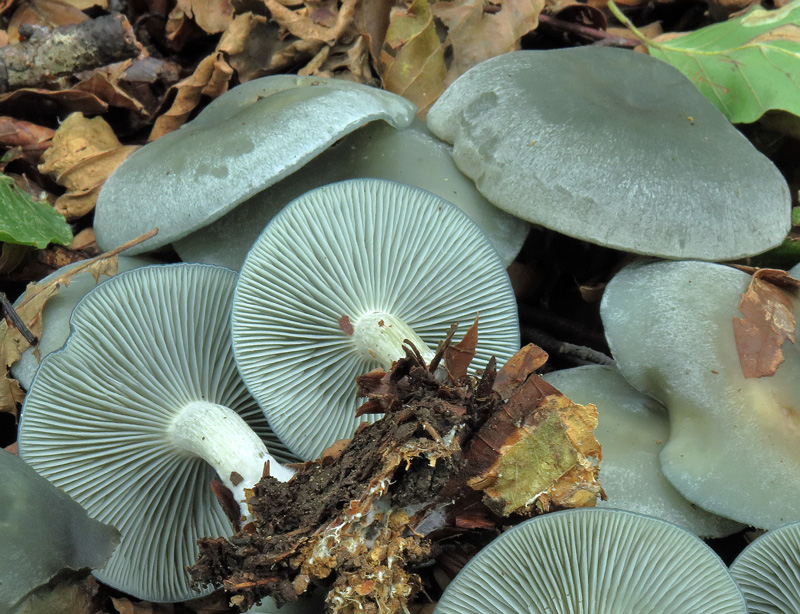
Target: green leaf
<point x="28" y="222"/>
<point x="745" y="66"/>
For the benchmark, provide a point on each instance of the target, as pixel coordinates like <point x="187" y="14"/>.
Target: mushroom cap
<point x="56" y="312"/>
<point x="615" y="148"/>
<point x="347" y="249"/>
<point x="96" y="419"/>
<point x="669" y="327"/>
<point x="594" y="561"/>
<point x="244" y="141"/>
<point x="767" y="571"/>
<point x="42" y="531"/>
<point x="632" y="429"/>
<point x="378" y="150"/>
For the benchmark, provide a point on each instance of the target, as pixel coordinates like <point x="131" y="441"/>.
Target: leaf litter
<point x="368" y="513"/>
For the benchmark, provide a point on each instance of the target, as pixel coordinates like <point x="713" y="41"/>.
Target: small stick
<point x="577" y="354"/>
<point x="13" y="319"/>
<point x="593" y="33"/>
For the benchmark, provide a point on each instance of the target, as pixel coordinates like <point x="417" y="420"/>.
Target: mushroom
<point x="336" y="283"/>
<point x="615" y="148"/>
<point x="768" y="570"/>
<point x="378" y="150"/>
<point x="56" y="312"/>
<point x="593" y="560"/>
<point x="42" y="532"/>
<point x="669" y="326"/>
<point x="632" y="429"/>
<point x="139" y="411"/>
<point x="243" y="142"/>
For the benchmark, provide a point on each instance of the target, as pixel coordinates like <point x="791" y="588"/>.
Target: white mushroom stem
<point x="380" y="336"/>
<point x="223" y="439"/>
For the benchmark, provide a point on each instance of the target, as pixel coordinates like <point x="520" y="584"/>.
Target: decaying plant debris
<point x="446" y="458"/>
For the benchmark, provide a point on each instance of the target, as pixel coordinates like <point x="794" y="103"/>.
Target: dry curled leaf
<point x="768" y="322"/>
<point x="476" y="34"/>
<point x="213" y="16"/>
<point x="84" y="153"/>
<point x="210" y="78"/>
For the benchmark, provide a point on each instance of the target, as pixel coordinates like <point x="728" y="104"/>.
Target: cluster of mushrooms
<point x="322" y="225"/>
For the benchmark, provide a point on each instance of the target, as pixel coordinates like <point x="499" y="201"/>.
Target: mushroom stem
<point x="380" y="336"/>
<point x="223" y="439"/>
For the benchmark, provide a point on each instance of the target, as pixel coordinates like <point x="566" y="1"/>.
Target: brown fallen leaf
<point x="105" y="84"/>
<point x="18" y="133"/>
<point x="475" y="34"/>
<point x="84" y="153"/>
<point x="458" y="357"/>
<point x="412" y="57"/>
<point x="50" y="102"/>
<point x="210" y="78"/>
<point x="768" y="322"/>
<point x="251" y="45"/>
<point x="213" y="16"/>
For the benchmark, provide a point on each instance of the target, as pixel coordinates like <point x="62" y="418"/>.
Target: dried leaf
<point x="299" y="23"/>
<point x="55" y="102"/>
<point x="84" y="153"/>
<point x="210" y="78"/>
<point x="412" y="57"/>
<point x="213" y="16"/>
<point x="250" y="43"/>
<point x="476" y="35"/>
<point x="458" y="357"/>
<point x="768" y="322"/>
<point x="372" y="21"/>
<point x="18" y="133"/>
<point x="105" y="84"/>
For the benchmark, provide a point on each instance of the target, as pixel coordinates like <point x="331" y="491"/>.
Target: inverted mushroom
<point x="139" y="411"/>
<point x="192" y="176"/>
<point x="336" y="283"/>
<point x="594" y="561"/>
<point x="734" y="444"/>
<point x="42" y="532"/>
<point x="768" y="570"/>
<point x="56" y="312"/>
<point x="378" y="150"/>
<point x="615" y="148"/>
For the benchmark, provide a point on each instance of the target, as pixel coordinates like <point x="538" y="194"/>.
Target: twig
<point x="573" y="331"/>
<point x="576" y="354"/>
<point x="49" y="54"/>
<point x="589" y="32"/>
<point x="13" y="319"/>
